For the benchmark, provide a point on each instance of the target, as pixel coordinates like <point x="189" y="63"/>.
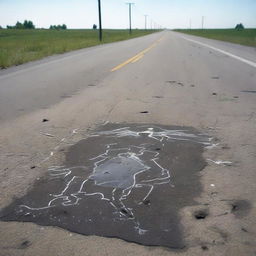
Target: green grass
<point x="243" y="37"/>
<point x="20" y="46"/>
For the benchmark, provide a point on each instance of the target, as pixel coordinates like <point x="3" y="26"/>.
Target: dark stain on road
<point x="240" y="208"/>
<point x="249" y="91"/>
<point x="125" y="181"/>
<point x="25" y="244"/>
<point x="158" y="97"/>
<point x="171" y="82"/>
<point x="175" y="82"/>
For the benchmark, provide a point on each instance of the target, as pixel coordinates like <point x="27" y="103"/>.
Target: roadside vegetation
<point x="238" y="35"/>
<point x="18" y="46"/>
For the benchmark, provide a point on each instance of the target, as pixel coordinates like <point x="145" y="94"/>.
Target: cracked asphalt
<point x="175" y="82"/>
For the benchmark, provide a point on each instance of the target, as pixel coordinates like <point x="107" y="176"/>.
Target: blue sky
<point x="167" y="13"/>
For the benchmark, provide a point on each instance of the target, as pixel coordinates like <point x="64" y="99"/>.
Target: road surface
<point x="166" y="79"/>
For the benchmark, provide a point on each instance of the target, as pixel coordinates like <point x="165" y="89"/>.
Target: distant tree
<point x="239" y="26"/>
<point x="25" y="24"/>
<point x="58" y="27"/>
<point x="19" y="25"/>
<point x="1" y="27"/>
<point x="28" y="24"/>
<point x="94" y="26"/>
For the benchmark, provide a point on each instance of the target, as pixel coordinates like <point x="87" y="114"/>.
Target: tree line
<point x="58" y="27"/>
<point x="27" y="24"/>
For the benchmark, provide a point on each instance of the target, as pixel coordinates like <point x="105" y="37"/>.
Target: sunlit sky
<point x="167" y="13"/>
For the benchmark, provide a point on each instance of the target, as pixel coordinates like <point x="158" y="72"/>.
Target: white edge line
<point x="251" y="63"/>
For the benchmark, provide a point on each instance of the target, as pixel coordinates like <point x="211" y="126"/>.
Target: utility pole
<point x="100" y="25"/>
<point x="190" y="23"/>
<point x="130" y="16"/>
<point x="146" y="21"/>
<point x="202" y="22"/>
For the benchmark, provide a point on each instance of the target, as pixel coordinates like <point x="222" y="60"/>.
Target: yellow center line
<point x="137" y="57"/>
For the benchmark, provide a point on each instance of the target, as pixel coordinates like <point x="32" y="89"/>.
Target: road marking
<point x="137" y="57"/>
<point x="251" y="63"/>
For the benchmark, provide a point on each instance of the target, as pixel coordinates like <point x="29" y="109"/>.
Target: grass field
<point x="244" y="37"/>
<point x="20" y="46"/>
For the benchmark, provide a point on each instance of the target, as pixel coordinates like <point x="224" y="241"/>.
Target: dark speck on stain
<point x="33" y="167"/>
<point x="215" y="77"/>
<point x="24" y="244"/>
<point x="214" y="93"/>
<point x="236" y="97"/>
<point x="91" y="85"/>
<point x="171" y="82"/>
<point x="146" y="202"/>
<point x="124" y="211"/>
<point x="225" y="147"/>
<point x="144" y="112"/>
<point x="204" y="248"/>
<point x="201" y="214"/>
<point x="158" y="149"/>
<point x="45" y="120"/>
<point x="181" y="84"/>
<point x="245" y="230"/>
<point x="234" y="208"/>
<point x="192" y="85"/>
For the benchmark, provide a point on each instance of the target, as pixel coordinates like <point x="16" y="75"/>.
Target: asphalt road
<point x="166" y="79"/>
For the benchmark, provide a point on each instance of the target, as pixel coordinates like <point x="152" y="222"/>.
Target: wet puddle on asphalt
<point x="125" y="181"/>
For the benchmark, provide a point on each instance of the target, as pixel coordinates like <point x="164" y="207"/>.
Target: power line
<point x="130" y="15"/>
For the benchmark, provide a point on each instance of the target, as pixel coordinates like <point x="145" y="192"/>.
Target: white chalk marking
<point x="219" y="162"/>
